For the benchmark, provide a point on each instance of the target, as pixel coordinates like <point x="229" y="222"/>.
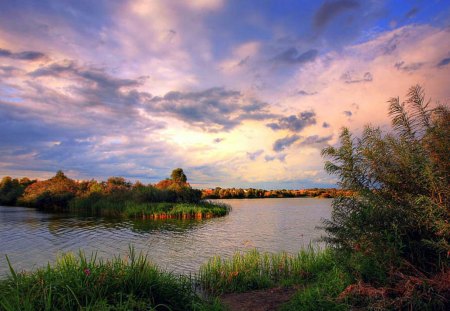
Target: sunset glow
<point x="237" y="93"/>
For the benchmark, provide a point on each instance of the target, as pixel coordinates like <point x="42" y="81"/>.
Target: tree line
<point x="250" y="193"/>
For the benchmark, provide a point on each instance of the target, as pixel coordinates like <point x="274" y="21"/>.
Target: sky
<point x="237" y="93"/>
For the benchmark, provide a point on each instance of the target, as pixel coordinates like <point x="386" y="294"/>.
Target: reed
<point x="256" y="270"/>
<point x="109" y="206"/>
<point x="82" y="283"/>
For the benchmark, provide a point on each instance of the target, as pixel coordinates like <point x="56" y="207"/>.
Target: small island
<point x="172" y="198"/>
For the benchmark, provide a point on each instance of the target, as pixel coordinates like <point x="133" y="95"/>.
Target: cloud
<point x="330" y="9"/>
<point x="25" y="55"/>
<point x="70" y="69"/>
<point x="444" y="62"/>
<point x="294" y="123"/>
<point x="411" y="13"/>
<point x="283" y="143"/>
<point x="347" y="113"/>
<point x="292" y="56"/>
<point x="316" y="139"/>
<point x="304" y="93"/>
<point x="254" y="155"/>
<point x="349" y="78"/>
<point x="280" y="157"/>
<point x="215" y="109"/>
<point x="408" y="67"/>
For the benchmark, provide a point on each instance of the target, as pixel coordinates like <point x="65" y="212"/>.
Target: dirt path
<point x="259" y="300"/>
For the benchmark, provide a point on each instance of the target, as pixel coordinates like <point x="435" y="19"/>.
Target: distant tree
<point x="60" y="174"/>
<point x="178" y="176"/>
<point x="117" y="184"/>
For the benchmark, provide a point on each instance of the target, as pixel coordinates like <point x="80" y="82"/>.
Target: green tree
<point x="400" y="212"/>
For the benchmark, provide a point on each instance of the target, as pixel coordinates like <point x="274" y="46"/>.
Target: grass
<point x="79" y="283"/>
<point x="175" y="210"/>
<point x="256" y="270"/>
<point x="109" y="206"/>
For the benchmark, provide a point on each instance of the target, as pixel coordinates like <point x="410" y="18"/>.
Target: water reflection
<point x="32" y="238"/>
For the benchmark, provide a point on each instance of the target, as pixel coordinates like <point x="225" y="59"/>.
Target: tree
<point x="400" y="213"/>
<point x="178" y="176"/>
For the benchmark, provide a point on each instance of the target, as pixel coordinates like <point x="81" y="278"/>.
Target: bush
<point x="398" y="218"/>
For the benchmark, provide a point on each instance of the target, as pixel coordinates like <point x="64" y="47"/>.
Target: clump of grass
<point x="81" y="283"/>
<point x="175" y="210"/>
<point x="108" y="206"/>
<point x="256" y="270"/>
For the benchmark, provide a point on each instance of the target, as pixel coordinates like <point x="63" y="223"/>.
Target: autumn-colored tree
<point x="55" y="192"/>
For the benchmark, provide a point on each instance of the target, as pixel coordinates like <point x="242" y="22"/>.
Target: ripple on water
<point x="32" y="238"/>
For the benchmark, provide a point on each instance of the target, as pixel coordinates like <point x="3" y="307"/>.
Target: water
<point x="31" y="238"/>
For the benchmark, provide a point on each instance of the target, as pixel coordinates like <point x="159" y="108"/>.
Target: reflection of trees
<point x="59" y="223"/>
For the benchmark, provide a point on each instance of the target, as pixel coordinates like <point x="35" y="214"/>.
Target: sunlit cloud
<point x="238" y="95"/>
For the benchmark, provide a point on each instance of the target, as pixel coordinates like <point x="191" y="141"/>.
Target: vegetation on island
<point x="387" y="244"/>
<point x="170" y="198"/>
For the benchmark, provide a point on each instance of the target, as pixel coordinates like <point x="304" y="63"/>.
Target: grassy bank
<point x="322" y="281"/>
<point x="317" y="273"/>
<point x="112" y="206"/>
<point x="79" y="283"/>
<point x="133" y="283"/>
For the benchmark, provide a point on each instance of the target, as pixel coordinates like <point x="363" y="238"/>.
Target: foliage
<point x="398" y="218"/>
<point x="54" y="193"/>
<point x="12" y="189"/>
<point x="178" y="176"/>
<point x="102" y="198"/>
<point x="81" y="283"/>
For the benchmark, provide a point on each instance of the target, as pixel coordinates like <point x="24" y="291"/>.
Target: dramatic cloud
<point x="294" y="123"/>
<point x="292" y="56"/>
<point x="213" y="110"/>
<point x="283" y="143"/>
<point x="330" y="9"/>
<point x="237" y="95"/>
<point x="25" y="55"/>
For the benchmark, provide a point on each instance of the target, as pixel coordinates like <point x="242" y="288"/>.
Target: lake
<point x="32" y="238"/>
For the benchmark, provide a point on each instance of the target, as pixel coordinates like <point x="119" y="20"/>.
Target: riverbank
<point x="134" y="283"/>
<point x="312" y="279"/>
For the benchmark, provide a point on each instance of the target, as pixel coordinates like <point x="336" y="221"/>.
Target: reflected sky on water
<point x="32" y="238"/>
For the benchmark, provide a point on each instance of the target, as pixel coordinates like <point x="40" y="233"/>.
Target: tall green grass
<point x="256" y="270"/>
<point x="81" y="283"/>
<point x="317" y="273"/>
